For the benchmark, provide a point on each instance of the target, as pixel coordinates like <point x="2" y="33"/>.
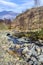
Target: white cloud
<point x="26" y="5"/>
<point x="7" y="5"/>
<point x="11" y="4"/>
<point x="41" y="2"/>
<point x="16" y="7"/>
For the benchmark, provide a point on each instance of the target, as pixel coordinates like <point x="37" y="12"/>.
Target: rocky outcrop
<point x="32" y="19"/>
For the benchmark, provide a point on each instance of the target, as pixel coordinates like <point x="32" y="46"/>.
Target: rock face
<point x="32" y="19"/>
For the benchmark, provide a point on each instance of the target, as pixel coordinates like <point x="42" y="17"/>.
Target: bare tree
<point x="37" y="3"/>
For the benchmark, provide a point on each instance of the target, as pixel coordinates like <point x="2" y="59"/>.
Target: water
<point x="18" y="40"/>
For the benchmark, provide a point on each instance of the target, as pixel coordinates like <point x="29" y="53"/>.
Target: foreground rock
<point x="7" y="55"/>
<point x="32" y="53"/>
<point x="16" y="54"/>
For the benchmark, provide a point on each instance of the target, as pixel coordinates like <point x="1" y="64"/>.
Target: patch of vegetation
<point x="32" y="35"/>
<point x="3" y="27"/>
<point x="19" y="35"/>
<point x="36" y="35"/>
<point x="41" y="34"/>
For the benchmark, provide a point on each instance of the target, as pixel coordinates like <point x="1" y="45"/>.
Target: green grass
<point x="32" y="35"/>
<point x="2" y="27"/>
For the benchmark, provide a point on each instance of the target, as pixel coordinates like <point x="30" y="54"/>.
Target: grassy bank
<point x="33" y="35"/>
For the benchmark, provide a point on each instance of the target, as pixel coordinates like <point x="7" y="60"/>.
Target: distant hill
<point x="32" y="19"/>
<point x="8" y="14"/>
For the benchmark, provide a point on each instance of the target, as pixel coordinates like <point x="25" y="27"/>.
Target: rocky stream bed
<point x="19" y="54"/>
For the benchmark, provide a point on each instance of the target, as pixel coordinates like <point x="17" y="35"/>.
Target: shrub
<point x="41" y="34"/>
<point x="34" y="36"/>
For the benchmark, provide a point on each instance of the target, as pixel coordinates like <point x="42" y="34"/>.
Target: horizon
<point x="17" y="6"/>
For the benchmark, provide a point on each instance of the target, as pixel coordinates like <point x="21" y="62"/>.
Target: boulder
<point x="38" y="49"/>
<point x="25" y="50"/>
<point x="41" y="58"/>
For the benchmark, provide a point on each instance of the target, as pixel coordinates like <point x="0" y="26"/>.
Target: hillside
<point x="5" y="24"/>
<point x="32" y="19"/>
<point x="8" y="14"/>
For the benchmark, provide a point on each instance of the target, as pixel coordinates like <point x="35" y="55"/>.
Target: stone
<point x="41" y="58"/>
<point x="25" y="50"/>
<point x="27" y="56"/>
<point x="25" y="45"/>
<point x="38" y="49"/>
<point x="17" y="46"/>
<point x="42" y="49"/>
<point x="40" y="41"/>
<point x="31" y="63"/>
<point x="32" y="51"/>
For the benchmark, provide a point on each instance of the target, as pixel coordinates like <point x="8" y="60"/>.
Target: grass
<point x="3" y="27"/>
<point x="32" y="35"/>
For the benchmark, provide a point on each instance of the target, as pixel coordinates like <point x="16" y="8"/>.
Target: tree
<point x="8" y="22"/>
<point x="37" y="3"/>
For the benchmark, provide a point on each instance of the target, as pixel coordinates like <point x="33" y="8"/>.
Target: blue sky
<point x="17" y="5"/>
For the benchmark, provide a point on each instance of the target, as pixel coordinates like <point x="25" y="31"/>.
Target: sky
<point x="17" y="5"/>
